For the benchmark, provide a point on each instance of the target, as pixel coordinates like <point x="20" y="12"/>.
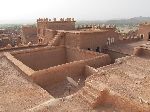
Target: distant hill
<point x="119" y="22"/>
<point x="131" y="21"/>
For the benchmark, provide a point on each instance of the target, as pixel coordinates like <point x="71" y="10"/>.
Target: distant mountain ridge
<point x="131" y="21"/>
<point x="119" y="22"/>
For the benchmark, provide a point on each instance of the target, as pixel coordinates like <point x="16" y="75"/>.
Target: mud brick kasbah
<point x="111" y="69"/>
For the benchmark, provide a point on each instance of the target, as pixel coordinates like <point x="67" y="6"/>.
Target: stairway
<point x="92" y="95"/>
<point x="56" y="40"/>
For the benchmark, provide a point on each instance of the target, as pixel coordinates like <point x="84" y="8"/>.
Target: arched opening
<point x="149" y="36"/>
<point x="142" y="36"/>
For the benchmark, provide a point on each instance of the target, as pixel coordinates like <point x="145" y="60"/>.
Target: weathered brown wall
<point x="47" y="57"/>
<point x="49" y="35"/>
<point x="146" y="53"/>
<point x="74" y="54"/>
<point x="90" y="71"/>
<point x="142" y="52"/>
<point x="99" y="61"/>
<point x="43" y="59"/>
<point x="144" y="30"/>
<point x="96" y="39"/>
<point x="115" y="55"/>
<point x="56" y="74"/>
<point x="29" y="34"/>
<point x="89" y="39"/>
<point x="54" y="25"/>
<point x="58" y="25"/>
<point x="124" y="104"/>
<point x="72" y="39"/>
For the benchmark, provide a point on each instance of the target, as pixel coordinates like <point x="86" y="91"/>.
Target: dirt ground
<point x="61" y="89"/>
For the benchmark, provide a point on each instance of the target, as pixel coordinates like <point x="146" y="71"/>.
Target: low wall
<point x="25" y="69"/>
<point x="56" y="74"/>
<point x="124" y="104"/>
<point x="72" y="39"/>
<point x="96" y="39"/>
<point x="115" y="55"/>
<point x="99" y="61"/>
<point x="90" y="71"/>
<point x="142" y="52"/>
<point x="43" y="58"/>
<point x="5" y="49"/>
<point x="74" y="54"/>
<point x="126" y="41"/>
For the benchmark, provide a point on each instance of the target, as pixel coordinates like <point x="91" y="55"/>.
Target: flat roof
<point x="130" y="78"/>
<point x="126" y="47"/>
<point x="17" y="91"/>
<point x="86" y="31"/>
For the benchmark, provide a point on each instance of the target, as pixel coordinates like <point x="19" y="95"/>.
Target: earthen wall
<point x="58" y="73"/>
<point x="142" y="52"/>
<point x="124" y="104"/>
<point x="144" y="30"/>
<point x="43" y="59"/>
<point x="74" y="54"/>
<point x="49" y="35"/>
<point x="99" y="61"/>
<point x="93" y="40"/>
<point x="29" y="34"/>
<point x="66" y="25"/>
<point x="72" y="39"/>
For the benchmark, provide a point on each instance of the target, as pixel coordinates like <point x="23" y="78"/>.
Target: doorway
<point x="149" y="36"/>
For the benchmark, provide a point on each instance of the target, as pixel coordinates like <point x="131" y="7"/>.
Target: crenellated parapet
<point x="55" y="20"/>
<point x="94" y="26"/>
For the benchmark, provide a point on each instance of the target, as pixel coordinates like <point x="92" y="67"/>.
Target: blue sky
<point x="21" y="10"/>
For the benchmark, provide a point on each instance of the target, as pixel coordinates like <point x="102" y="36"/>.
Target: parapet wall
<point x="142" y="52"/>
<point x="93" y="40"/>
<point x="55" y="20"/>
<point x="90" y="39"/>
<point x="124" y="104"/>
<point x="144" y="30"/>
<point x="74" y="54"/>
<point x="42" y="58"/>
<point x="56" y="74"/>
<point x="29" y="30"/>
<point x="72" y="39"/>
<point x="29" y="34"/>
<point x="99" y="61"/>
<point x="62" y="24"/>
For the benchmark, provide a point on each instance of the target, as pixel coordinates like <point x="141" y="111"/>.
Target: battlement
<point x="55" y="20"/>
<point x="98" y="26"/>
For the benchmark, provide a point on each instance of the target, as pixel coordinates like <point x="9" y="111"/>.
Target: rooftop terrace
<point x="128" y="78"/>
<point x="17" y="91"/>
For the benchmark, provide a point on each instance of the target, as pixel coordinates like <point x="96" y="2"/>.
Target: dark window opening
<point x="142" y="36"/>
<point x="149" y="36"/>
